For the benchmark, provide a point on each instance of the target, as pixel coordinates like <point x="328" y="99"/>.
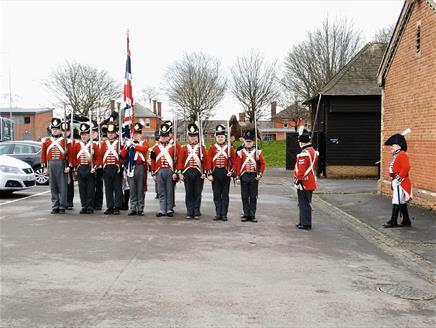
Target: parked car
<point x="29" y="152"/>
<point x="15" y="174"/>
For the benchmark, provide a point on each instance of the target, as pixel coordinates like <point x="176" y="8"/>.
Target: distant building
<point x="29" y="123"/>
<point x="408" y="78"/>
<point x="346" y="124"/>
<point x="152" y="118"/>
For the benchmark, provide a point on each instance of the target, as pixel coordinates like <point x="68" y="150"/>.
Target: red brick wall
<point x="409" y="99"/>
<point x="39" y="124"/>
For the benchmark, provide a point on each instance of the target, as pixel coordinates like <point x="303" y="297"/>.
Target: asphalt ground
<point x="117" y="271"/>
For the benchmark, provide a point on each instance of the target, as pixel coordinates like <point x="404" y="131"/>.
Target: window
<point x="23" y="149"/>
<point x="285" y="123"/>
<point x="418" y="38"/>
<point x="27" y="120"/>
<point x="147" y="123"/>
<point x="5" y="149"/>
<point x="268" y="137"/>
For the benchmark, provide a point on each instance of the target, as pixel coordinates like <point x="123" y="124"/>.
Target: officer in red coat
<point x="221" y="158"/>
<point x="163" y="157"/>
<point x="86" y="159"/>
<point x="110" y="158"/>
<point x="305" y="179"/>
<point x="136" y="153"/>
<point x="250" y="166"/>
<point x="401" y="184"/>
<point x="56" y="161"/>
<point x="192" y="166"/>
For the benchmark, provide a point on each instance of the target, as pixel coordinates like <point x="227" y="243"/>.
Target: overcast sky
<point x="37" y="36"/>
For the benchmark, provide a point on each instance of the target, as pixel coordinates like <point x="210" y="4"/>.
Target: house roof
<point x="142" y="111"/>
<point x="359" y="76"/>
<point x="394" y="42"/>
<point x="19" y="110"/>
<point x="289" y="112"/>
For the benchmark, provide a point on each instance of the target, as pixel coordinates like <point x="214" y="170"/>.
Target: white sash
<point x="110" y="149"/>
<point x="312" y="163"/>
<point x="221" y="151"/>
<point x="249" y="158"/>
<point x="84" y="150"/>
<point x="193" y="154"/>
<point x="138" y="153"/>
<point x="57" y="143"/>
<point x="164" y="151"/>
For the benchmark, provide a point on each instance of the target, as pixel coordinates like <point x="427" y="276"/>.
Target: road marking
<point x="17" y="200"/>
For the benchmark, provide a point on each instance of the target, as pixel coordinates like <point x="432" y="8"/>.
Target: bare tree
<point x="254" y="83"/>
<point x="149" y="93"/>
<point x="310" y="64"/>
<point x="195" y="85"/>
<point x="82" y="88"/>
<point x="294" y="108"/>
<point x="384" y="34"/>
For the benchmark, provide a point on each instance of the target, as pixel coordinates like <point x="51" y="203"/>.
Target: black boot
<point x="126" y="198"/>
<point x="392" y="223"/>
<point x="406" y="220"/>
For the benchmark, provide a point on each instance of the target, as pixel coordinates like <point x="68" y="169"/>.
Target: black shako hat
<point x="165" y="129"/>
<point x="193" y="129"/>
<point x="84" y="128"/>
<point x="250" y="135"/>
<point x="304" y="137"/>
<point x="220" y="130"/>
<point x="55" y="123"/>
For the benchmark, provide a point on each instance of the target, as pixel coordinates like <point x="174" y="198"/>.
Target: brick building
<point x="30" y="123"/>
<point x="151" y="117"/>
<point x="408" y="77"/>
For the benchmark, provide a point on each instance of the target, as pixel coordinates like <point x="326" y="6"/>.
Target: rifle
<point x="66" y="155"/>
<point x="91" y="142"/>
<point x="200" y="141"/>
<point x="229" y="154"/>
<point x="256" y="154"/>
<point x="98" y="127"/>
<point x="175" y="140"/>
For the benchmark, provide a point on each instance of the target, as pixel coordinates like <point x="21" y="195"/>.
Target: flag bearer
<point x="85" y="162"/>
<point x="305" y="179"/>
<point x="56" y="161"/>
<point x="250" y="166"/>
<point x="163" y="157"/>
<point x="192" y="165"/>
<point x="136" y="152"/>
<point x="222" y="157"/>
<point x="401" y="183"/>
<point x="111" y="160"/>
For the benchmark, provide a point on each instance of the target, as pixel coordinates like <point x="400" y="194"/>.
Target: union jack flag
<point x="128" y="95"/>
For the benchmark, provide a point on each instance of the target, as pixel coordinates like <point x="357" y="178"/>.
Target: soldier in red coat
<point x="163" y="157"/>
<point x="86" y="160"/>
<point x="56" y="161"/>
<point x="221" y="158"/>
<point x="250" y="166"/>
<point x="110" y="159"/>
<point x="136" y="153"/>
<point x="192" y="165"/>
<point x="305" y="179"/>
<point x="401" y="184"/>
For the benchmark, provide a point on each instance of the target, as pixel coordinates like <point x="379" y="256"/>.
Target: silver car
<point x="15" y="174"/>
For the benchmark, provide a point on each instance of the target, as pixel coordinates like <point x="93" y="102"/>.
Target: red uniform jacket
<point x="140" y="152"/>
<point x="108" y="154"/>
<point x="305" y="167"/>
<point x="82" y="154"/>
<point x="54" y="148"/>
<point x="218" y="157"/>
<point x="246" y="161"/>
<point x="162" y="156"/>
<point x="190" y="158"/>
<point x="399" y="169"/>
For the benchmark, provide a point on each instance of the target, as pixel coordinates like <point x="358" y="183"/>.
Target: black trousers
<point x="249" y="192"/>
<point x="98" y="199"/>
<point x="112" y="187"/>
<point x="220" y="187"/>
<point x="193" y="189"/>
<point x="86" y="181"/>
<point x="70" y="189"/>
<point x="304" y="200"/>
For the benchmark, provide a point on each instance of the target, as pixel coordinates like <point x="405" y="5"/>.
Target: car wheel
<point x="41" y="178"/>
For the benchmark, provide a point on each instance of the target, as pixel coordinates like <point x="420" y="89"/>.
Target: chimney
<point x="154" y="106"/>
<point x="242" y="117"/>
<point x="273" y="109"/>
<point x="112" y="105"/>
<point x="159" y="108"/>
